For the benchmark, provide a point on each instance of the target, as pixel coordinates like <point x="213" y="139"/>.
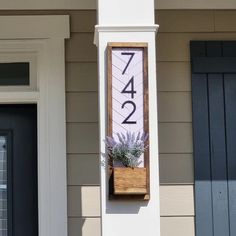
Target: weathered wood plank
<point x="130" y="181"/>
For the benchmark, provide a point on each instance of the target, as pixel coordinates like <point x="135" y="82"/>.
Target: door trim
<point x="18" y="35"/>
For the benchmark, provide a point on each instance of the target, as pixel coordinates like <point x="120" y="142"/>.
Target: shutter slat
<point x="203" y="199"/>
<point x="230" y="113"/>
<point x="218" y="155"/>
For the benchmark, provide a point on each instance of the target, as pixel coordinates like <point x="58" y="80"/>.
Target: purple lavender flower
<point x="128" y="149"/>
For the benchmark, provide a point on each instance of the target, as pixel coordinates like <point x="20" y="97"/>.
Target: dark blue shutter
<point x="214" y="135"/>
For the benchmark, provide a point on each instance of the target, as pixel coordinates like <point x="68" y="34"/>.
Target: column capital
<point x="123" y="28"/>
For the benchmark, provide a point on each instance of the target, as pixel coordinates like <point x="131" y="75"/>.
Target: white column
<point x="128" y="21"/>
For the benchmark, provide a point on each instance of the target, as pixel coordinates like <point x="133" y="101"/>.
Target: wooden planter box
<point x="130" y="181"/>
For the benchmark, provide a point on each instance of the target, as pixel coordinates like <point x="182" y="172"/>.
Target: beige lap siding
<point x="82" y="128"/>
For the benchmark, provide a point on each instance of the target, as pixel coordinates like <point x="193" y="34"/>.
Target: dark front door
<point x="214" y="131"/>
<point x="18" y="170"/>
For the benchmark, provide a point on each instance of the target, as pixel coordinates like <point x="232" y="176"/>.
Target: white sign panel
<point x="127" y="90"/>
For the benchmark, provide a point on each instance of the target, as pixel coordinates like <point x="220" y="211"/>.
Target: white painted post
<point x="128" y="21"/>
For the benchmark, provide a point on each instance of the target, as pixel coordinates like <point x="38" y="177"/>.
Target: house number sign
<point x="127" y="89"/>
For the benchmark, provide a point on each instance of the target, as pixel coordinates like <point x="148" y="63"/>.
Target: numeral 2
<point x="127" y="121"/>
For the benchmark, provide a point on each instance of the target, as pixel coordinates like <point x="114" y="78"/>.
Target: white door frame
<point x="44" y="37"/>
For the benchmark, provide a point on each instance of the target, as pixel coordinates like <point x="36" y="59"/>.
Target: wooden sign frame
<point x="135" y="194"/>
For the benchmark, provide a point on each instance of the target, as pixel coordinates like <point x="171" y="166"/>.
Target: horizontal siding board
<point x="80" y="20"/>
<point x="177" y="200"/>
<point x="175" y="138"/>
<point x="225" y="21"/>
<point x="81" y="77"/>
<point x="177" y="226"/>
<point x="82" y="138"/>
<point x="175" y="46"/>
<point x="83" y="21"/>
<point x="80" y="48"/>
<point x="176" y="169"/>
<point x="83" y="201"/>
<point x="47" y="5"/>
<point x="173" y="76"/>
<point x="174" y="107"/>
<point x="84" y="227"/>
<point x="193" y="4"/>
<point x="82" y="107"/>
<point x="175" y="21"/>
<point x="83" y="169"/>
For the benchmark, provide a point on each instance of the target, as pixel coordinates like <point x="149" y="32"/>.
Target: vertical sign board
<point x="128" y="92"/>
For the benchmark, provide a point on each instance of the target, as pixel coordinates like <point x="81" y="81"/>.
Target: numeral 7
<point x="131" y="54"/>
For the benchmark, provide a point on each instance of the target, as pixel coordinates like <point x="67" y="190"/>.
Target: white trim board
<point x="48" y="47"/>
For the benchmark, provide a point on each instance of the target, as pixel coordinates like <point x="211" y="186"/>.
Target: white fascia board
<point x="34" y="27"/>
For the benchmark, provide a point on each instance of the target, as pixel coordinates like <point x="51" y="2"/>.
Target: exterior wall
<point x="177" y="28"/>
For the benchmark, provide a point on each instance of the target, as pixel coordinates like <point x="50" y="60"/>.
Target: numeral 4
<point x="131" y="91"/>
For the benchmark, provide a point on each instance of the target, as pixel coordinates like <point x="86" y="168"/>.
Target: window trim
<point x="47" y="43"/>
<point x="12" y="56"/>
